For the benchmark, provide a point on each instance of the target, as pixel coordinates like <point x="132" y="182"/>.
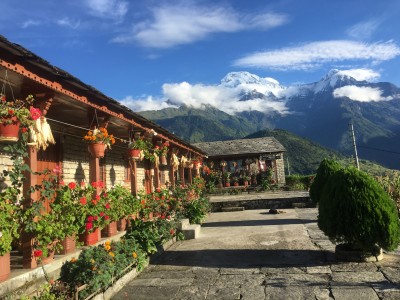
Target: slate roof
<point x="241" y="147"/>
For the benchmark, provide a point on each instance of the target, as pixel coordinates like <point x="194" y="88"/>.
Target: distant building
<point x="259" y="156"/>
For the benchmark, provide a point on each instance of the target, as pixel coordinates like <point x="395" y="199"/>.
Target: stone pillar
<point x="28" y="260"/>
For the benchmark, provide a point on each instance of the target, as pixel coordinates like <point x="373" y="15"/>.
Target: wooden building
<point x="71" y="107"/>
<point x="256" y="156"/>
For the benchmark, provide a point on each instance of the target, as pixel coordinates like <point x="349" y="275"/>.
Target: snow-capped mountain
<point x="248" y="82"/>
<point x="320" y="111"/>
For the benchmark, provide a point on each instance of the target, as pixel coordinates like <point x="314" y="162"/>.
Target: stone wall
<point x="5" y="164"/>
<point x="140" y="178"/>
<point x="280" y="170"/>
<point x="75" y="161"/>
<point x="116" y="167"/>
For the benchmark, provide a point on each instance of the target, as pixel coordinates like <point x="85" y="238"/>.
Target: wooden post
<point x="190" y="176"/>
<point x="172" y="176"/>
<point x="134" y="188"/>
<point x="94" y="171"/>
<point x="182" y="175"/>
<point x="156" y="176"/>
<point x="31" y="179"/>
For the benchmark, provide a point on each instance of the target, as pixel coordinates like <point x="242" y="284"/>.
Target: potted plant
<point x="357" y="213"/>
<point x="227" y="179"/>
<point x="162" y="150"/>
<point x="137" y="146"/>
<point x="235" y="180"/>
<point x="15" y="114"/>
<point x="99" y="140"/>
<point x="246" y="179"/>
<point x="9" y="225"/>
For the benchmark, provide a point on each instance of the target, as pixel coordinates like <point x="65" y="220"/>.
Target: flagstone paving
<point x="256" y="255"/>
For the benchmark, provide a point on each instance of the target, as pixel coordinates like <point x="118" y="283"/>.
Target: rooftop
<point x="241" y="147"/>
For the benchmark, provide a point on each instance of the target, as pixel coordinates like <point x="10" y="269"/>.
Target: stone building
<point x="257" y="156"/>
<point x="72" y="107"/>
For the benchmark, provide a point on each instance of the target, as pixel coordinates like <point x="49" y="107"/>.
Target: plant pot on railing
<point x="109" y="230"/>
<point x="97" y="149"/>
<point x="134" y="153"/>
<point x="4" y="266"/>
<point x="227" y="184"/>
<point x="9" y="132"/>
<point x="90" y="238"/>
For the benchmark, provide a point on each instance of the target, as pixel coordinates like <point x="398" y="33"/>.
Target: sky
<point x="144" y="53"/>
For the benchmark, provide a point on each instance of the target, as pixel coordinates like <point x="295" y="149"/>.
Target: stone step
<point x="232" y="208"/>
<point x="299" y="205"/>
<point x="183" y="223"/>
<point x="191" y="231"/>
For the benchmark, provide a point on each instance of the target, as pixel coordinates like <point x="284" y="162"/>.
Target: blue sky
<point x="135" y="51"/>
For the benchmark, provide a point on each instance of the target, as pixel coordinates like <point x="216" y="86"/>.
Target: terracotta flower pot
<point x="236" y="183"/>
<point x="90" y="238"/>
<point x="134" y="153"/>
<point x="97" y="149"/>
<point x="109" y="230"/>
<point x="121" y="225"/>
<point x="9" y="132"/>
<point x="227" y="184"/>
<point x="68" y="244"/>
<point x="49" y="258"/>
<point x="4" y="266"/>
<point x="245" y="183"/>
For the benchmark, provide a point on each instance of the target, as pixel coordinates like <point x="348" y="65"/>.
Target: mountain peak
<point x="335" y="78"/>
<point x="234" y="79"/>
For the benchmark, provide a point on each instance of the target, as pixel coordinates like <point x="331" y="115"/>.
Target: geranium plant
<point x="17" y="110"/>
<point x="162" y="150"/>
<point x="99" y="135"/>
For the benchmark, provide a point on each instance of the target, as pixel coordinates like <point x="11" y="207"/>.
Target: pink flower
<point x="35" y="113"/>
<point x="108" y="206"/>
<point x="106" y="217"/>
<point x="72" y="185"/>
<point x="102" y="214"/>
<point x="89" y="226"/>
<point x="90" y="219"/>
<point x="57" y="169"/>
<point x="61" y="182"/>
<point x="83" y="184"/>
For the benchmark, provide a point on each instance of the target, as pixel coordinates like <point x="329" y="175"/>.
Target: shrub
<point x="354" y="209"/>
<point x="326" y="168"/>
<point x="299" y="182"/>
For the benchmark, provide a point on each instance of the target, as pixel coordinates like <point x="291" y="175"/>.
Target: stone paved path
<point x="255" y="255"/>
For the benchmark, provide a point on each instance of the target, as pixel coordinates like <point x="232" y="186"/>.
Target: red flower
<point x="35" y="113"/>
<point x="10" y="112"/>
<point x="37" y="253"/>
<point x="94" y="202"/>
<point x="158" y="190"/>
<point x="24" y="129"/>
<point x="95" y="218"/>
<point x="83" y="200"/>
<point x="3" y="98"/>
<point x="106" y="217"/>
<point x="83" y="184"/>
<point x="89" y="226"/>
<point x="100" y="184"/>
<point x="108" y="206"/>
<point x="97" y="197"/>
<point x="102" y="214"/>
<point x="61" y="182"/>
<point x="94" y="184"/>
<point x="90" y="219"/>
<point x="72" y="185"/>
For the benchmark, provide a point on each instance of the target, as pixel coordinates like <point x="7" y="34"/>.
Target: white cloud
<point x="361" y="74"/>
<point x="360" y="93"/>
<point x="108" y="9"/>
<point x="199" y="96"/>
<point x="363" y="30"/>
<point x="185" y="23"/>
<point x="67" y="22"/>
<point x="314" y="54"/>
<point x="30" y="23"/>
<point x="147" y="103"/>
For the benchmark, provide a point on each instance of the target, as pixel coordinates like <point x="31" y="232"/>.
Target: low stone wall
<point x="262" y="203"/>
